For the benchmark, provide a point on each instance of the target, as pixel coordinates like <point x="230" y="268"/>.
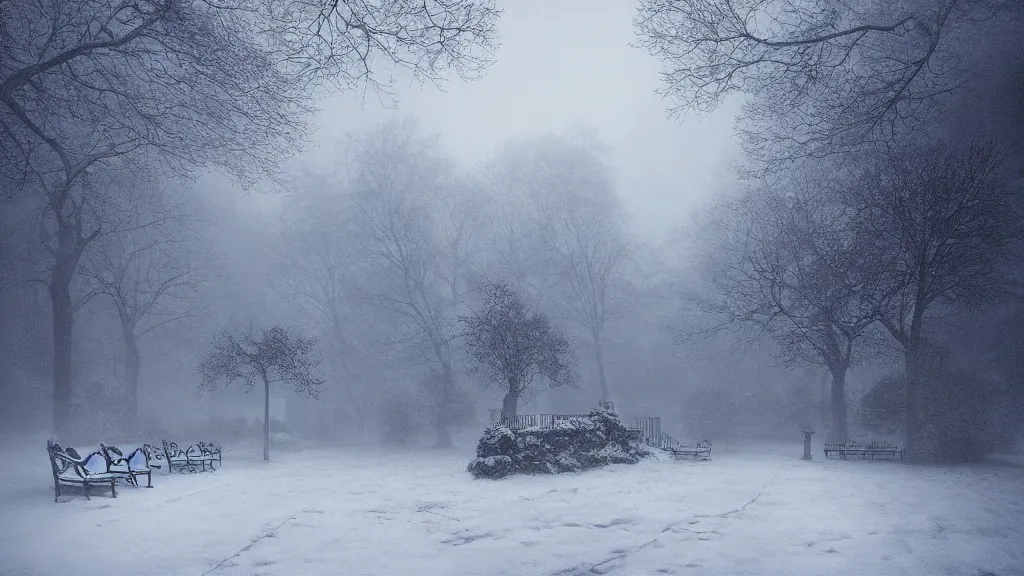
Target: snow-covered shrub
<point x="581" y="443"/>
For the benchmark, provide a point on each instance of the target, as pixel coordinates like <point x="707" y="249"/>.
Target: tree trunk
<point x="510" y="403"/>
<point x="915" y="444"/>
<point x="63" y="326"/>
<point x="133" y="366"/>
<point x="840" y="432"/>
<point x="826" y="411"/>
<point x="599" y="352"/>
<point x="266" y="418"/>
<point x="66" y="254"/>
<point x="442" y="420"/>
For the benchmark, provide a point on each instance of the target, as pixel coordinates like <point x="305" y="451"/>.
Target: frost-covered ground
<point x="418" y="513"/>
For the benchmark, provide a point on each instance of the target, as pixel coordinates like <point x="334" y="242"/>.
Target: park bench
<point x="702" y="451"/>
<point x="213" y="450"/>
<point x="154" y="456"/>
<point x="196" y="457"/>
<point x="130" y="466"/>
<point x="855" y="451"/>
<point x="71" y="469"/>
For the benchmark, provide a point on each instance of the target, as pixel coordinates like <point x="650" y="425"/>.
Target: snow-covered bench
<point x="71" y="469"/>
<point x="196" y="457"/>
<point x="212" y="450"/>
<point x="702" y="451"/>
<point x="131" y="465"/>
<point x="855" y="451"/>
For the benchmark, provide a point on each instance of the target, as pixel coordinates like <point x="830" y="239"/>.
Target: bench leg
<point x="113" y="493"/>
<point x="86" y="485"/>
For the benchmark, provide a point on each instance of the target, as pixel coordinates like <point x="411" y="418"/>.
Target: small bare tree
<point x="514" y="346"/>
<point x="272" y="355"/>
<point x="559" y="232"/>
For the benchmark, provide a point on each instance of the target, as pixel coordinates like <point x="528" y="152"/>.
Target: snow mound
<point x="573" y="445"/>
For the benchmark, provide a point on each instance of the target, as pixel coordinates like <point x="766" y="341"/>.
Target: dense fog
<point x="734" y="220"/>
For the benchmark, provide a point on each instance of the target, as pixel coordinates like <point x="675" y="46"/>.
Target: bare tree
<point x="820" y="76"/>
<point x="189" y="84"/>
<point x="320" y="260"/>
<point x="351" y="41"/>
<point x="96" y="83"/>
<point x="399" y="178"/>
<point x="792" y="263"/>
<point x="591" y="247"/>
<point x="148" y="273"/>
<point x="559" y="231"/>
<point x="943" y="221"/>
<point x="514" y="346"/>
<point x="272" y="355"/>
<point x="515" y="238"/>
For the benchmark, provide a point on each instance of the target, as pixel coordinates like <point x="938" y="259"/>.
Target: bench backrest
<point x="171" y="450"/>
<point x="136" y="457"/>
<point x="64" y="459"/>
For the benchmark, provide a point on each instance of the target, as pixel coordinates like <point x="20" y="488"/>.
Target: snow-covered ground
<point x="361" y="512"/>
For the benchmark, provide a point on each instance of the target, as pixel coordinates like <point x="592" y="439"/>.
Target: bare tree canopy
<point x="790" y="260"/>
<point x="561" y="234"/>
<point x="352" y="41"/>
<point x="270" y="355"/>
<point x="514" y="346"/>
<point x="820" y="76"/>
<point x="207" y="83"/>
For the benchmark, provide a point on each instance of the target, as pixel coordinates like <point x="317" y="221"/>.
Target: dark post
<point x="808" y="432"/>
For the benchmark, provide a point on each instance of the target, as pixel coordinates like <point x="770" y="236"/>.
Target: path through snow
<point x="358" y="512"/>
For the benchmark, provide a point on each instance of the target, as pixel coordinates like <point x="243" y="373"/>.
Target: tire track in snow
<point x="749" y="502"/>
<point x="606" y="565"/>
<point x="266" y="534"/>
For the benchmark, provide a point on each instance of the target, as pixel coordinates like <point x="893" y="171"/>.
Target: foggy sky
<point x="564" y="64"/>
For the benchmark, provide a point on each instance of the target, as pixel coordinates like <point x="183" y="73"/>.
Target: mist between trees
<point x="860" y="273"/>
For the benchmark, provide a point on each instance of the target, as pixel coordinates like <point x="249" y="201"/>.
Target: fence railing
<point x="520" y="421"/>
<point x="650" y="433"/>
<point x="647" y="428"/>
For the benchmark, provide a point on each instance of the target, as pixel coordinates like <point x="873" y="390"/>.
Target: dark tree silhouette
<point x="792" y="263"/>
<point x="944" y="224"/>
<point x="272" y="355"/>
<point x="514" y="346"/>
<point x="184" y="85"/>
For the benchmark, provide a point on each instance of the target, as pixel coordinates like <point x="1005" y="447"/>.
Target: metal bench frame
<point x="873" y="451"/>
<point x="700" y="452"/>
<point x="62" y="461"/>
<point x="116" y="458"/>
<point x="196" y="458"/>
